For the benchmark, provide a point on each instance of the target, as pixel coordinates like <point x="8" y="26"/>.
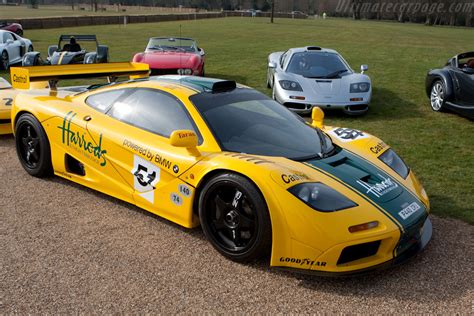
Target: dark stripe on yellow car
<point x="361" y="195"/>
<point x="375" y="185"/>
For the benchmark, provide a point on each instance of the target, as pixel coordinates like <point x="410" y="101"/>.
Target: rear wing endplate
<point x="22" y="77"/>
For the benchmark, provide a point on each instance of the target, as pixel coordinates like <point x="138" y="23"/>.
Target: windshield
<point x="246" y="121"/>
<point x="317" y="65"/>
<point x="172" y="44"/>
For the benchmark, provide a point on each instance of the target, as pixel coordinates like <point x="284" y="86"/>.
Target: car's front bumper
<point x="416" y="246"/>
<point x="305" y="106"/>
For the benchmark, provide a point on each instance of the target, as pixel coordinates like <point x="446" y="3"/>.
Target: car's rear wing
<point x="22" y="77"/>
<point x="78" y="37"/>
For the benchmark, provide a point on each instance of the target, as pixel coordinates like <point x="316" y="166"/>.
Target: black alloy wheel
<point x="234" y="217"/>
<point x="32" y="146"/>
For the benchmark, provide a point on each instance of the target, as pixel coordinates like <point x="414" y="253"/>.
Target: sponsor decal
<point x="176" y="199"/>
<point x="184" y="190"/>
<point x="81" y="142"/>
<point x="175" y="169"/>
<point x="8" y="101"/>
<point x="348" y="134"/>
<point x="409" y="210"/>
<point x="235" y="201"/>
<point x="303" y="262"/>
<point x="378" y="148"/>
<point x="146" y="176"/>
<point x="148" y="154"/>
<point x="289" y="178"/>
<point x="186" y="134"/>
<point x="381" y="188"/>
<point x="19" y="79"/>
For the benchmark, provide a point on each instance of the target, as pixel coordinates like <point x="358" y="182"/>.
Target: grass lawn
<point x="439" y="147"/>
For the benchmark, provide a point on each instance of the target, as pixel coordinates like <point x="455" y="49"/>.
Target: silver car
<point x="305" y="77"/>
<point x="12" y="49"/>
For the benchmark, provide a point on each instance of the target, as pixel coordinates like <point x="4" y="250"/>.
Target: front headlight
<point x="185" y="71"/>
<point x="360" y="87"/>
<point x="321" y="197"/>
<point x="290" y="85"/>
<point x="391" y="159"/>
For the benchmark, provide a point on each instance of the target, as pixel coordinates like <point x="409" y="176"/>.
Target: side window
<point x="7" y="36"/>
<point x="282" y="60"/>
<point x="103" y="101"/>
<point x="152" y="110"/>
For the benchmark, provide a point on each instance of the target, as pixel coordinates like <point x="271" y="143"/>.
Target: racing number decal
<point x="145" y="176"/>
<point x="347" y="134"/>
<point x="184" y="190"/>
<point x="8" y="101"/>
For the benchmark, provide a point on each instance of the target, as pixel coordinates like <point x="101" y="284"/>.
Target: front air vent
<point x="356" y="252"/>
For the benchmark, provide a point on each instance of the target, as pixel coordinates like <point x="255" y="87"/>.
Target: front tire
<point x="19" y="32"/>
<point x="32" y="146"/>
<point x="437" y="96"/>
<point x="269" y="86"/>
<point x="234" y="217"/>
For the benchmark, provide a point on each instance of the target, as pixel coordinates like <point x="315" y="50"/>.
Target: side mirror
<point x="363" y="68"/>
<point x="272" y="65"/>
<point x="317" y="115"/>
<point x="201" y="51"/>
<point x="9" y="41"/>
<point x="187" y="139"/>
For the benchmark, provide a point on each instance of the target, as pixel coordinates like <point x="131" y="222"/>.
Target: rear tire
<point x="5" y="61"/>
<point x="234" y="217"/>
<point x="32" y="146"/>
<point x="19" y="32"/>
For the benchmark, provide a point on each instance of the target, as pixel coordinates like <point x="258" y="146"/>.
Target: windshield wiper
<point x="335" y="74"/>
<point x="322" y="142"/>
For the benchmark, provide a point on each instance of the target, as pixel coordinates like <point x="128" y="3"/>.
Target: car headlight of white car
<point x="360" y="87"/>
<point x="290" y="85"/>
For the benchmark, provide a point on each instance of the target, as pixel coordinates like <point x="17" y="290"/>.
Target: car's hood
<point x="171" y="60"/>
<point x="64" y="58"/>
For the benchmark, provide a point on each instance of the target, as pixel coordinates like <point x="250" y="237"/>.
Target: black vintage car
<point x="69" y="51"/>
<point x="452" y="87"/>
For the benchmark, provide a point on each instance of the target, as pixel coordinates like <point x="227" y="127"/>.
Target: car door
<point x="464" y="85"/>
<point x="135" y="130"/>
<point x="13" y="47"/>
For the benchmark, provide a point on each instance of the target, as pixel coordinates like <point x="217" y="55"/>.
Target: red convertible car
<point x="12" y="27"/>
<point x="171" y="56"/>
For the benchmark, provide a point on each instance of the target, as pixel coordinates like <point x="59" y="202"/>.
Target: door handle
<point x="87" y="118"/>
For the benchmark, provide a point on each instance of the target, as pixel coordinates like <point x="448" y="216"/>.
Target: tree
<point x="272" y="2"/>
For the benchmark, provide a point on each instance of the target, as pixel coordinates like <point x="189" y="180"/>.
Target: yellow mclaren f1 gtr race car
<point x="199" y="151"/>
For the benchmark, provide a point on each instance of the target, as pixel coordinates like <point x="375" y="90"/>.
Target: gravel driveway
<point x="65" y="248"/>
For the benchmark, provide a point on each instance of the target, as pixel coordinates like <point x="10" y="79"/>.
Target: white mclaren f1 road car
<point x="12" y="49"/>
<point x="304" y="77"/>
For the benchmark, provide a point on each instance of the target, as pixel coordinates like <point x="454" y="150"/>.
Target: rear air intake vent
<point x="357" y="252"/>
<point x="313" y="48"/>
<point x="74" y="166"/>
